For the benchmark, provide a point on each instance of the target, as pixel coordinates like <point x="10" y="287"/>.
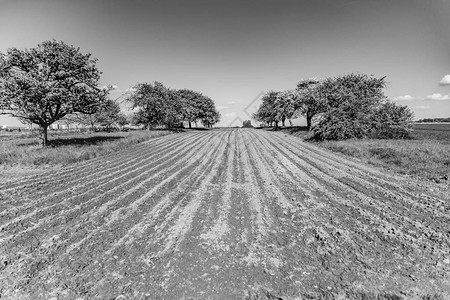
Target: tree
<point x="190" y="101"/>
<point x="286" y="105"/>
<point x="207" y="111"/>
<point x="308" y="101"/>
<point x="107" y="115"/>
<point x="392" y="121"/>
<point x="356" y="107"/>
<point x="46" y="83"/>
<point x="247" y="124"/>
<point x="154" y="104"/>
<point x="123" y="120"/>
<point x="267" y="111"/>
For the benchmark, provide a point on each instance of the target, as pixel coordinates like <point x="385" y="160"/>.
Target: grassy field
<point x="24" y="149"/>
<point x="426" y="155"/>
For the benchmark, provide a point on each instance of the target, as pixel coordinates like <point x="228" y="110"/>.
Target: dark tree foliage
<point x="343" y="107"/>
<point x="46" y="83"/>
<point x="155" y="105"/>
<point x="267" y="112"/>
<point x="308" y="102"/>
<point x="392" y="121"/>
<point x="286" y="105"/>
<point x="356" y="107"/>
<point x="196" y="106"/>
<point x="208" y="113"/>
<point x="247" y="124"/>
<point x="191" y="105"/>
<point x="277" y="107"/>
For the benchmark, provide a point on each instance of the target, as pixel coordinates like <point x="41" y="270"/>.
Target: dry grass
<point x="423" y="158"/>
<point x="24" y="150"/>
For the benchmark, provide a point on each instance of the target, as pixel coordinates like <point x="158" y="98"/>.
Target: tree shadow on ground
<point x="292" y="129"/>
<point x="297" y="129"/>
<point x="87" y="141"/>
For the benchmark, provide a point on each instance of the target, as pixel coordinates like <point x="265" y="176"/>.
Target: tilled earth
<point x="224" y="214"/>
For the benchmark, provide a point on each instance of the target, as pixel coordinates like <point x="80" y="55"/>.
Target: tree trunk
<point x="282" y="121"/>
<point x="290" y="122"/>
<point x="276" y="124"/>
<point x="44" y="135"/>
<point x="308" y="120"/>
<point x="190" y="125"/>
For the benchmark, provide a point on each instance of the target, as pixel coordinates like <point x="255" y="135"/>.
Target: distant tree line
<point x="337" y="108"/>
<point x="154" y="104"/>
<point x="434" y="120"/>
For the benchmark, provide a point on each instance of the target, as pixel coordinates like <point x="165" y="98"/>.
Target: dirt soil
<point x="224" y="214"/>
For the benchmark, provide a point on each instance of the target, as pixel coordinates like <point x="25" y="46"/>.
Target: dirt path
<point x="231" y="214"/>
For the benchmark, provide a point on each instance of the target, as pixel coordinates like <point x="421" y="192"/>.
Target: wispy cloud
<point x="422" y="107"/>
<point x="231" y="102"/>
<point x="404" y="98"/>
<point x="445" y="80"/>
<point x="220" y="107"/>
<point x="437" y="96"/>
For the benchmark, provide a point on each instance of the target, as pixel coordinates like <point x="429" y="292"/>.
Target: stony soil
<point x="226" y="214"/>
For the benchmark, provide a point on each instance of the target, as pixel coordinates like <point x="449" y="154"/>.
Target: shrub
<point x="357" y="108"/>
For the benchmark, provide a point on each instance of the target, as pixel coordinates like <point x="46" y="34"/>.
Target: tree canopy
<point x="343" y="107"/>
<point x="107" y="115"/>
<point x="46" y="83"/>
<point x="267" y="112"/>
<point x="155" y="104"/>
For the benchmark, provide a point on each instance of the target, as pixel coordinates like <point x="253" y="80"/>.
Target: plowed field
<point x="223" y="214"/>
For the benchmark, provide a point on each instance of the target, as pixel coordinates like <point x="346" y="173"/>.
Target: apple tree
<point x="46" y="83"/>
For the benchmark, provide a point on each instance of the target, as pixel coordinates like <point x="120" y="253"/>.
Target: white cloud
<point x="422" y="107"/>
<point x="437" y="96"/>
<point x="445" y="80"/>
<point x="231" y="102"/>
<point x="404" y="98"/>
<point x="220" y="107"/>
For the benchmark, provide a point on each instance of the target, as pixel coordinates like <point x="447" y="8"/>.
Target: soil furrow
<point x="67" y="175"/>
<point x="87" y="185"/>
<point x="224" y="214"/>
<point x="379" y="196"/>
<point x="70" y="202"/>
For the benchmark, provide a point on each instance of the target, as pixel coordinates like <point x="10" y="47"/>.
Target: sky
<point x="234" y="50"/>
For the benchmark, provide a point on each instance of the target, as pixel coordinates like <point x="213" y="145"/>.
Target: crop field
<point x="224" y="214"/>
<point x="435" y="131"/>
